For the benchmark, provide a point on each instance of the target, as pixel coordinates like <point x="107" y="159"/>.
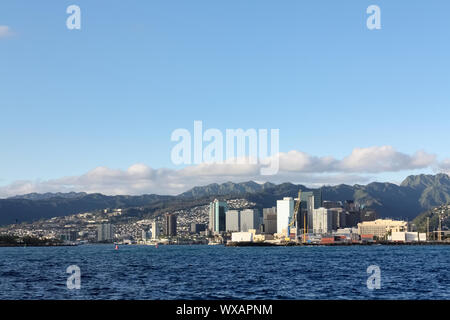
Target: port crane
<point x="297" y="212"/>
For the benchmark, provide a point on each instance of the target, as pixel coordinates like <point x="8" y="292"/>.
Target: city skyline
<point x="93" y="109"/>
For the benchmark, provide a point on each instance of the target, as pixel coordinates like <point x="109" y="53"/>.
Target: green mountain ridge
<point x="415" y="195"/>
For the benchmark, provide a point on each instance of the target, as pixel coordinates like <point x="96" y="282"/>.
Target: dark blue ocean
<point x="217" y="272"/>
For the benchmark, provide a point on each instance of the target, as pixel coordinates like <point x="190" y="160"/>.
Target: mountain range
<point x="405" y="201"/>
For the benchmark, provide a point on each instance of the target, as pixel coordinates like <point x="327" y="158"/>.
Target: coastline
<point x="292" y="244"/>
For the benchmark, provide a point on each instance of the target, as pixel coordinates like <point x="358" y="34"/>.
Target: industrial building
<point x="347" y="234"/>
<point x="407" y="237"/>
<point x="380" y="228"/>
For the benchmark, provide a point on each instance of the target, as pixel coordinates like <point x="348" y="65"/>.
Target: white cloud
<point x="5" y="31"/>
<point x="361" y="160"/>
<point x="384" y="159"/>
<point x="444" y="166"/>
<point x="295" y="166"/>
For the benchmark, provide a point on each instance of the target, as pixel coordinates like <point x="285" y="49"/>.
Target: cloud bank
<point x="295" y="166"/>
<point x="444" y="166"/>
<point x="5" y="31"/>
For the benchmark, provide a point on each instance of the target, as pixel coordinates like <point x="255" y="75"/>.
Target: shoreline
<point x="249" y="244"/>
<point x="36" y="245"/>
<point x="293" y="244"/>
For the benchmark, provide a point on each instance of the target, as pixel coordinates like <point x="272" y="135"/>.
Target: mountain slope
<point x="23" y="209"/>
<point x="415" y="195"/>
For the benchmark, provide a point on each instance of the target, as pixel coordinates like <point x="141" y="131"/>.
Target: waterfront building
<point x="146" y="235"/>
<point x="242" y="237"/>
<point x="322" y="221"/>
<point x="285" y="211"/>
<point x="196" y="228"/>
<point x="407" y="237"/>
<point x="69" y="235"/>
<point x="270" y="220"/>
<point x="217" y="215"/>
<point x="233" y="221"/>
<point x="350" y="234"/>
<point x="249" y="220"/>
<point x="105" y="232"/>
<point x="170" y="225"/>
<point x="155" y="230"/>
<point x="381" y="228"/>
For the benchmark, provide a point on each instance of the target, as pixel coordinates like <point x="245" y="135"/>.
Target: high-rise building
<point x="307" y="207"/>
<point x="338" y="218"/>
<point x="69" y="235"/>
<point x="322" y="221"/>
<point x="249" y="219"/>
<point x="105" y="232"/>
<point x="327" y="204"/>
<point x="352" y="218"/>
<point x="145" y="235"/>
<point x="233" y="221"/>
<point x="315" y="196"/>
<point x="318" y="198"/>
<point x="155" y="230"/>
<point x="285" y="211"/>
<point x="217" y="212"/>
<point x="368" y="215"/>
<point x="170" y="225"/>
<point x="270" y="220"/>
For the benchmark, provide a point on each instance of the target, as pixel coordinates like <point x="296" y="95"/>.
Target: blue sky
<point x="110" y="95"/>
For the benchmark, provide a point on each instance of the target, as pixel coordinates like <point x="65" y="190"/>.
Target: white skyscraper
<point x="285" y="211"/>
<point x="322" y="220"/>
<point x="155" y="230"/>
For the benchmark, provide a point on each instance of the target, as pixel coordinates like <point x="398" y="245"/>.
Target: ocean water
<point x="218" y="272"/>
